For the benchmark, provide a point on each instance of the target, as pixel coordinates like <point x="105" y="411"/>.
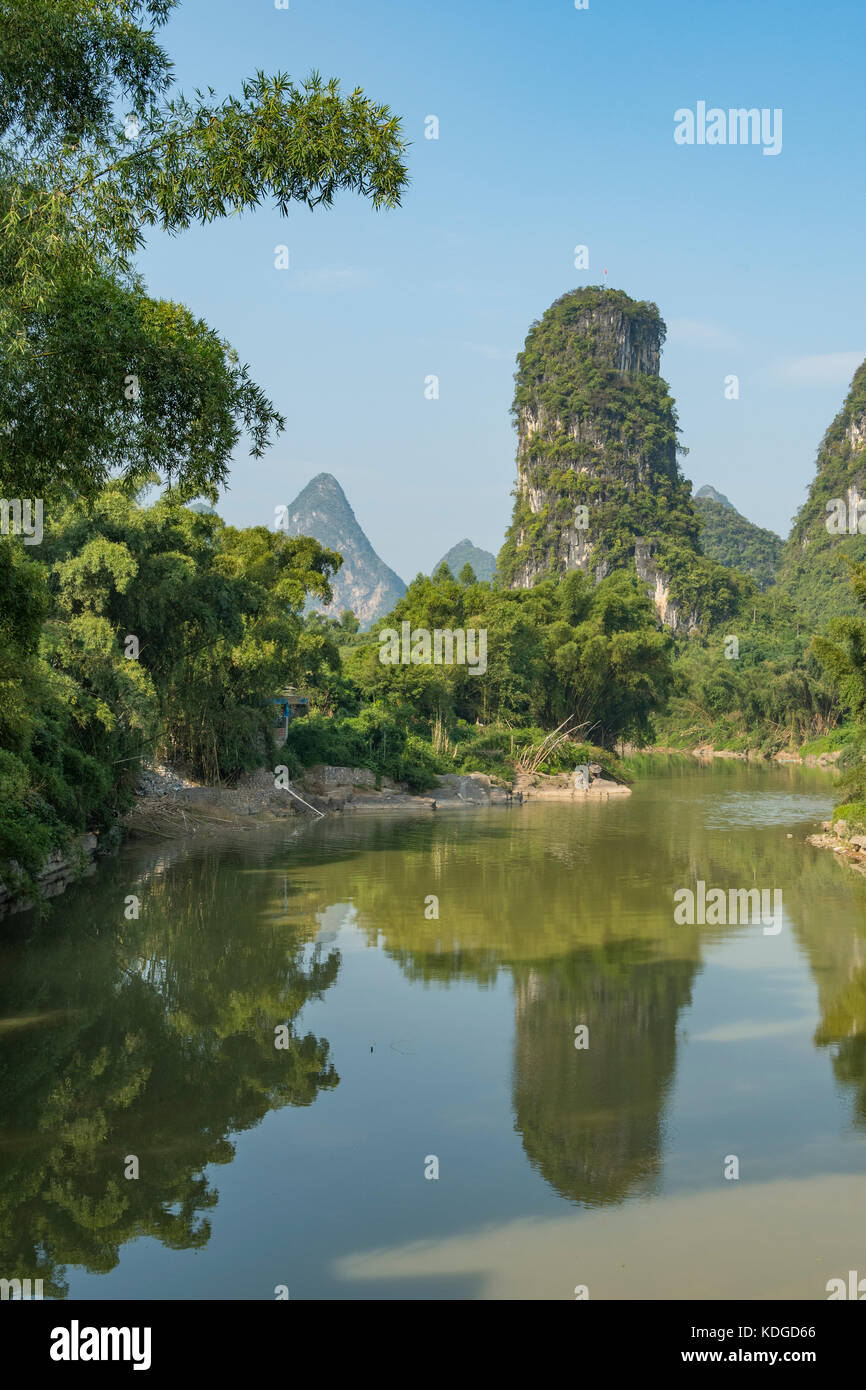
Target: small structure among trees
<point x="291" y="704"/>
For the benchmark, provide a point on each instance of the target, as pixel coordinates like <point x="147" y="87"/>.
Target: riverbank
<point x="171" y="805"/>
<point x="706" y="752"/>
<point x="844" y="840"/>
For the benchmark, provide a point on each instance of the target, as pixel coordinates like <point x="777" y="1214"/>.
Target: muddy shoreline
<point x="179" y="807"/>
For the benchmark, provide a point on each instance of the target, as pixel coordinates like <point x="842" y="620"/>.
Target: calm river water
<point x="409" y="1041"/>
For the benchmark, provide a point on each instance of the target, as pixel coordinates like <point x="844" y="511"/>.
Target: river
<point x="328" y="1090"/>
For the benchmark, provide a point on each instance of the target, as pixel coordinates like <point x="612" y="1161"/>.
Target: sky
<point x="556" y="130"/>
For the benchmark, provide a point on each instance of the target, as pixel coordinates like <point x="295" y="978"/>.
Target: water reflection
<point x="587" y="939"/>
<point x="592" y="1119"/>
<point x="155" y="1037"/>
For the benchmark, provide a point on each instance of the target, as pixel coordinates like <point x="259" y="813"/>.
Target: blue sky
<point x="555" y="129"/>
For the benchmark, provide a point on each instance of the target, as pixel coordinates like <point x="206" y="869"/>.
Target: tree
<point x="560" y="650"/>
<point x="105" y="389"/>
<point x="214" y="612"/>
<point x="97" y="379"/>
<point x="842" y="651"/>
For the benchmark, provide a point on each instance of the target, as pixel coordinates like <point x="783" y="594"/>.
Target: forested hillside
<point x="730" y="539"/>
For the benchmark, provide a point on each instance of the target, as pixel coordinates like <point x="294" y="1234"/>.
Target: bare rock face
<point x="659" y="589"/>
<point x="364" y="583"/>
<point x="598" y="485"/>
<point x="855" y="431"/>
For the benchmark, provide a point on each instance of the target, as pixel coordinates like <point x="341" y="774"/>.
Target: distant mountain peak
<point x="464" y="552"/>
<point x="714" y="496"/>
<point x="731" y="539"/>
<point x="324" y="490"/>
<point x="364" y="583"/>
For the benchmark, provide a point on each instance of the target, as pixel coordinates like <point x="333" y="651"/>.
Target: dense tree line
<point x="143" y="632"/>
<point x="590" y="659"/>
<point x="105" y="390"/>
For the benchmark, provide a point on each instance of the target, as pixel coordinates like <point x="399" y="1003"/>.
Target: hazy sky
<point x="555" y="130"/>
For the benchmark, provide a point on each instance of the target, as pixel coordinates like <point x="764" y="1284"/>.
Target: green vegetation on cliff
<point x="785" y="689"/>
<point x="814" y="571"/>
<point x="842" y="652"/>
<point x="597" y="427"/>
<point x="796" y="678"/>
<point x="597" y="430"/>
